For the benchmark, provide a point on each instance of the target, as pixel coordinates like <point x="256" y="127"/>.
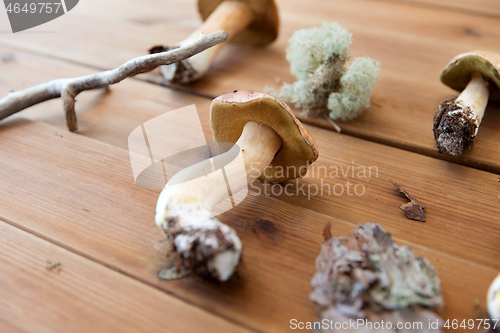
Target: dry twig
<point x="68" y="89"/>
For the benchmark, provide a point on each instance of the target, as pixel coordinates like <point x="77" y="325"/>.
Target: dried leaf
<point x="367" y="276"/>
<point x="414" y="210"/>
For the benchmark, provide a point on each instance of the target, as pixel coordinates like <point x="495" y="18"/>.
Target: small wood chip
<point x="51" y="265"/>
<point x="414" y="210"/>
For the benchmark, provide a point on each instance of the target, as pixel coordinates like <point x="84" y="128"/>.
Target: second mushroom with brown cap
<point x="456" y="123"/>
<point x="246" y="21"/>
<point x="270" y="140"/>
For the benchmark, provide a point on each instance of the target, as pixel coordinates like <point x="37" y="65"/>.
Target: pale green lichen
<point x="367" y="276"/>
<point x="310" y="48"/>
<point x="317" y="57"/>
<point x="356" y="86"/>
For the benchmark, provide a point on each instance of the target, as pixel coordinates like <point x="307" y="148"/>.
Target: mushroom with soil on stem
<point x="247" y="21"/>
<point x="270" y="140"/>
<point x="456" y="122"/>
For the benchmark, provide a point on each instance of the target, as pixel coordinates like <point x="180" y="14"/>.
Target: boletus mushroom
<point x="456" y="122"/>
<point x="493" y="299"/>
<point x="275" y="147"/>
<point x="246" y="21"/>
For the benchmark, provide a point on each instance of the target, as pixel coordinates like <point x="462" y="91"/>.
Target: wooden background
<point x="71" y="197"/>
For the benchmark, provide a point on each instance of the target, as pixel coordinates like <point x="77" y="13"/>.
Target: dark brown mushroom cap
<point x="457" y="73"/>
<point x="229" y="113"/>
<point x="263" y="29"/>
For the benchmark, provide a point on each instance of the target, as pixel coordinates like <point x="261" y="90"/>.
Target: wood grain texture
<point x="413" y="43"/>
<point x="482" y="7"/>
<point x="79" y="193"/>
<point x="84" y="296"/>
<point x="112" y="117"/>
<point x="441" y="184"/>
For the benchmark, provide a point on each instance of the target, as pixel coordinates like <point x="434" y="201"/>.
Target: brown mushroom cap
<point x="229" y="113"/>
<point x="457" y="73"/>
<point x="264" y="27"/>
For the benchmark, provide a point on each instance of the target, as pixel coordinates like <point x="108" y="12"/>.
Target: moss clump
<point x="317" y="57"/>
<point x="356" y="86"/>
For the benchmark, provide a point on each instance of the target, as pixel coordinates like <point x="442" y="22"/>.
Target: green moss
<point x="317" y="57"/>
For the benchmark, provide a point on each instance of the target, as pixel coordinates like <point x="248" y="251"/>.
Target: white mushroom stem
<point x="475" y="96"/>
<point x="184" y="208"/>
<point x="231" y="16"/>
<point x="493" y="299"/>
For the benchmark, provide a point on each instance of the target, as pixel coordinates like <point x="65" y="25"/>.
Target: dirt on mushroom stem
<point x="198" y="248"/>
<point x="454" y="128"/>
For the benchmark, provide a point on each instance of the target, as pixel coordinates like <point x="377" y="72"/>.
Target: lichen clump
<point x="317" y="58"/>
<point x="367" y="276"/>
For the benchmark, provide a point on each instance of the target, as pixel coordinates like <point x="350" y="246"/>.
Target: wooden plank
<point x="112" y="31"/>
<point x="80" y="193"/>
<point x="112" y="118"/>
<point x="84" y="296"/>
<point x="305" y="228"/>
<point x="106" y="116"/>
<point x="462" y="206"/>
<point x="112" y="222"/>
<point x="294" y="266"/>
<point x="412" y="43"/>
<point x="166" y="22"/>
